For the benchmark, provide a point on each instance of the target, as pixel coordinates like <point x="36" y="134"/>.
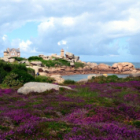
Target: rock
<point x="11" y="60"/>
<point x="82" y="80"/>
<point x="36" y="68"/>
<point x="90" y="76"/>
<point x="72" y="64"/>
<point x="25" y="62"/>
<point x="103" y="67"/>
<point x="58" y="78"/>
<point x="38" y="87"/>
<point x="105" y="75"/>
<point x="92" y="65"/>
<point x="36" y="63"/>
<point x="135" y="75"/>
<point x="76" y="58"/>
<point x="69" y="55"/>
<point x="123" y="67"/>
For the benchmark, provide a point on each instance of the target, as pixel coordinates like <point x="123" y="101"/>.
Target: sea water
<point x="84" y="76"/>
<point x="78" y="77"/>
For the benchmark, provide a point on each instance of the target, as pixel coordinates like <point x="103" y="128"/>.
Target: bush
<point x="3" y="73"/>
<point x="69" y="81"/>
<point x="103" y="79"/>
<point x="11" y="80"/>
<point x="31" y="71"/>
<point x="35" y="58"/>
<point x="23" y="76"/>
<point x="19" y="58"/>
<point x="59" y="62"/>
<point x="79" y="64"/>
<point x="44" y="79"/>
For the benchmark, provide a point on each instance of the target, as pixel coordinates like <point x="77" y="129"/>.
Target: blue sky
<point x="94" y="30"/>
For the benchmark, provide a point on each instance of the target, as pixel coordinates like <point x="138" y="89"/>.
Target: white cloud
<point x="4" y="37"/>
<point x="25" y="45"/>
<point x="68" y="21"/>
<point x="63" y="42"/>
<point x="85" y="27"/>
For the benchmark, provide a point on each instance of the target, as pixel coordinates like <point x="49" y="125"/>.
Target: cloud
<point x="88" y="27"/>
<point x="4" y="37"/>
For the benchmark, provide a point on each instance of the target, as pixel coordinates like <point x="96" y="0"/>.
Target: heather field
<point x="92" y="111"/>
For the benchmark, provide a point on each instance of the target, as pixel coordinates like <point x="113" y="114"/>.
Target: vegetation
<point x="44" y="79"/>
<point x="15" y="74"/>
<point x="112" y="78"/>
<point x="11" y="80"/>
<point x="50" y="63"/>
<point x="35" y="58"/>
<point x="79" y="64"/>
<point x="19" y="58"/>
<point x="69" y="81"/>
<point x="91" y="111"/>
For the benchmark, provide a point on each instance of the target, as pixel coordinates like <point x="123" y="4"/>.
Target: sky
<point x="95" y="30"/>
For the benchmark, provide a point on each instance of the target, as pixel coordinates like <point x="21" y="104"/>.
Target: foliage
<point x="11" y="80"/>
<point x="103" y="79"/>
<point x="50" y="63"/>
<point x="53" y="63"/>
<point x="69" y="81"/>
<point x="35" y="58"/>
<point x="91" y="111"/>
<point x="31" y="71"/>
<point x="19" y="58"/>
<point x="78" y="64"/>
<point x="3" y="73"/>
<point x="23" y="76"/>
<point x="44" y="79"/>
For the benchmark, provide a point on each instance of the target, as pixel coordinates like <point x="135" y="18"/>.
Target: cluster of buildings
<point x="10" y="53"/>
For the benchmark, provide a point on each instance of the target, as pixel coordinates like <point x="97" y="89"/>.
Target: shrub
<point x="11" y="80"/>
<point x="23" y="76"/>
<point x="44" y="79"/>
<point x="31" y="71"/>
<point x="19" y="58"/>
<point x="3" y="73"/>
<point x="35" y="58"/>
<point x="69" y="81"/>
<point x="103" y="79"/>
<point x="52" y="63"/>
<point x="78" y="64"/>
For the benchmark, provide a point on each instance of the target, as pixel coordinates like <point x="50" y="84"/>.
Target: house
<point x="12" y="52"/>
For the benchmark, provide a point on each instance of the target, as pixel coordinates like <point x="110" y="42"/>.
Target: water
<point x="84" y="76"/>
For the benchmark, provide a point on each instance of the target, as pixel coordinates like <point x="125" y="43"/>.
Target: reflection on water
<point x="84" y="76"/>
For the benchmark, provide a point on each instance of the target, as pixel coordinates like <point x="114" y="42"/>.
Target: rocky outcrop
<point x="36" y="63"/>
<point x="123" y="67"/>
<point x="8" y="59"/>
<point x="91" y="65"/>
<point x="103" y="67"/>
<point x="71" y="57"/>
<point x="38" y="87"/>
<point x="58" y="78"/>
<point x="135" y="75"/>
<point x="25" y="62"/>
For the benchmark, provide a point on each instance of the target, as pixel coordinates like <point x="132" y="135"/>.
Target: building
<point x="62" y="53"/>
<point x="12" y="52"/>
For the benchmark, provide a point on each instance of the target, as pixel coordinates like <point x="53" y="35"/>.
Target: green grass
<point x="83" y="92"/>
<point x="79" y="65"/>
<point x="50" y="63"/>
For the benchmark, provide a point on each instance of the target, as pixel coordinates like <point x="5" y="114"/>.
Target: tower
<point x="62" y="53"/>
